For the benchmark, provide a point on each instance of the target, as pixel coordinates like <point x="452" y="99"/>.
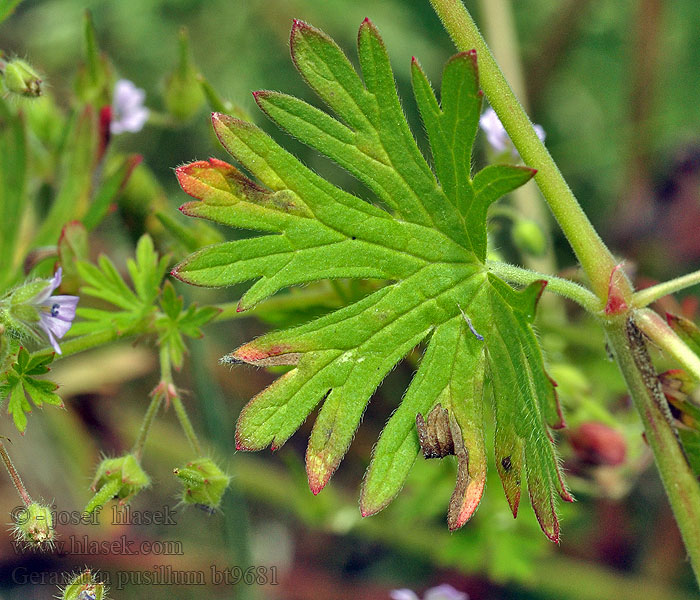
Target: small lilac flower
<point x="56" y="313"/>
<point x="441" y="592"/>
<point x="128" y="111"/>
<point x="496" y="134"/>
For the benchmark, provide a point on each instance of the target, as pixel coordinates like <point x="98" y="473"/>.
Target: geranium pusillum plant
<point x="32" y="309"/>
<point x="128" y="111"/>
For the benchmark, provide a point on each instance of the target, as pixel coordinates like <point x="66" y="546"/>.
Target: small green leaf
<point x="106" y="283"/>
<point x="21" y="386"/>
<point x="175" y="323"/>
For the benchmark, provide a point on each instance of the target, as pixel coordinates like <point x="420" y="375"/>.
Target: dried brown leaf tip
<point x="437" y="435"/>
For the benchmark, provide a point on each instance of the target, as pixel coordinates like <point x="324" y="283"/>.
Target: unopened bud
<point x="120" y="478"/>
<point x="183" y="91"/>
<point x="33" y="525"/>
<point x="84" y="586"/>
<point x="528" y="237"/>
<point x="20" y="78"/>
<point x="598" y="444"/>
<point x="204" y="483"/>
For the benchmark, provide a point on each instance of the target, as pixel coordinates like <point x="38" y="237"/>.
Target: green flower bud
<point x="120" y="478"/>
<point x="21" y="79"/>
<point x="528" y="237"/>
<point x="84" y="586"/>
<point x="204" y="483"/>
<point x="33" y="525"/>
<point x="183" y="91"/>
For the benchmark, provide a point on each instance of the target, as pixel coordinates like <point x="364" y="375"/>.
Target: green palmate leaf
<point x="20" y="385"/>
<point x="104" y="281"/>
<point x="176" y="323"/>
<point x="428" y="240"/>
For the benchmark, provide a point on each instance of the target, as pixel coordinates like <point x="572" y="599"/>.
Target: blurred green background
<point x="614" y="84"/>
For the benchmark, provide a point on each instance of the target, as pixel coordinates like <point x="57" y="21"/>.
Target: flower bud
<point x="528" y="237"/>
<point x="598" y="444"/>
<point x="183" y="91"/>
<point x="21" y="79"/>
<point x="120" y="478"/>
<point x="204" y="483"/>
<point x="84" y="586"/>
<point x="33" y="525"/>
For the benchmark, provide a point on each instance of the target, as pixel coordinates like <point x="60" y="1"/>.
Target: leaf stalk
<point x="594" y="256"/>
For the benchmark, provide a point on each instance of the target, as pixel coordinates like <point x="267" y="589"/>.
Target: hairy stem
<point x="629" y="348"/>
<point x="186" y="424"/>
<point x="146" y="425"/>
<point x="90" y="340"/>
<point x="14" y="475"/>
<point x="649" y="295"/>
<point x="592" y="253"/>
<point x="166" y="388"/>
<point x="563" y="287"/>
<point x="658" y="331"/>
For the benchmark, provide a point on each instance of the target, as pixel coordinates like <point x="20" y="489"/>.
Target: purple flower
<point x="441" y="592"/>
<point x="56" y="313"/>
<point x="128" y="111"/>
<point x="496" y="134"/>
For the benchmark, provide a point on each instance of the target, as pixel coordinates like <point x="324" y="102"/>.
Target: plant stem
<point x="166" y="388"/>
<point x="628" y="346"/>
<point x="649" y="295"/>
<point x="665" y="338"/>
<point x="592" y="253"/>
<point x="146" y="424"/>
<point x="563" y="287"/>
<point x="14" y="475"/>
<point x="186" y="424"/>
<point x="90" y="340"/>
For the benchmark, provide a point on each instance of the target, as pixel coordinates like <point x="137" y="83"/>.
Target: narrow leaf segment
<point x="426" y="237"/>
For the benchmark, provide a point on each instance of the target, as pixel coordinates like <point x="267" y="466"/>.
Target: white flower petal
<point x="444" y="592"/>
<point x="53" y="342"/>
<point x="128" y="112"/>
<point x="403" y="594"/>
